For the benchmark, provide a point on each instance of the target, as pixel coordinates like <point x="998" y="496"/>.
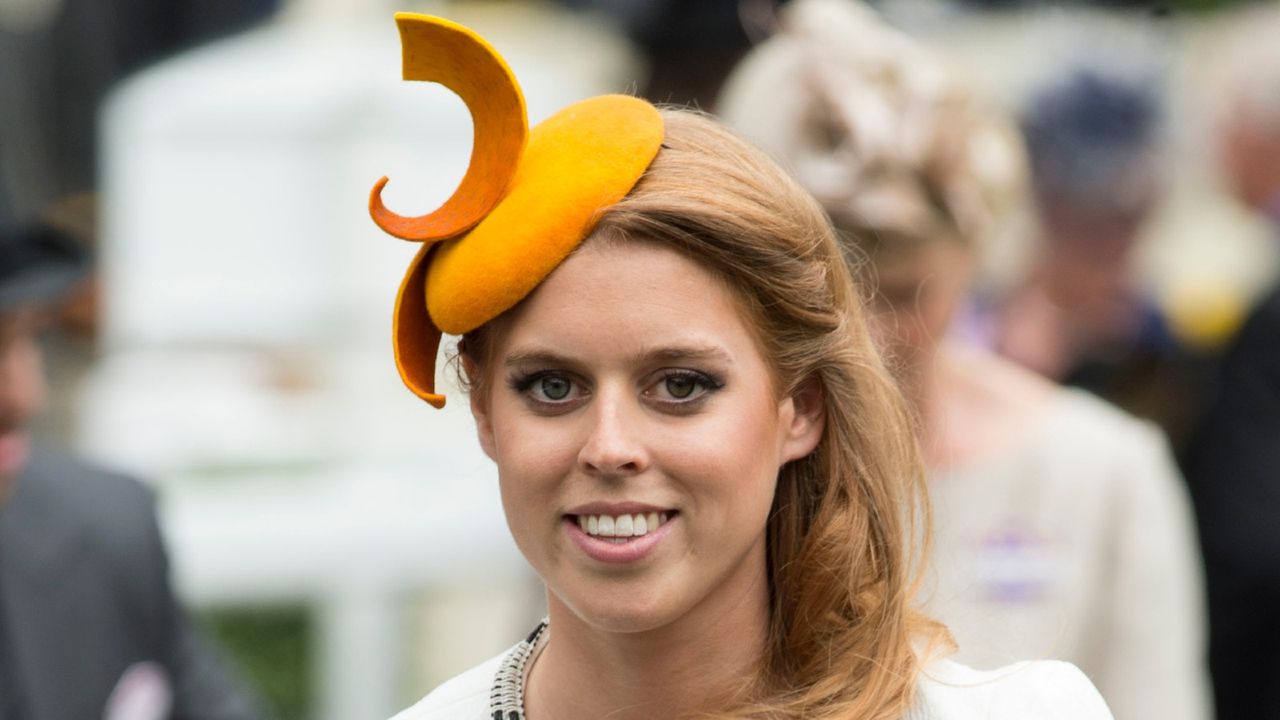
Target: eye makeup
<point x="682" y="390"/>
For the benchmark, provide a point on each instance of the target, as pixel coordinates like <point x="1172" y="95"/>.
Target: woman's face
<point x="918" y="291"/>
<point x="638" y="437"/>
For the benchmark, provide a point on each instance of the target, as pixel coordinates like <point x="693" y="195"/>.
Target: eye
<point x="548" y="388"/>
<point x="554" y="387"/>
<point x="682" y="387"/>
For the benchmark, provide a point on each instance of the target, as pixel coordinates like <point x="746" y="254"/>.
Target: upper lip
<point x="616" y="508"/>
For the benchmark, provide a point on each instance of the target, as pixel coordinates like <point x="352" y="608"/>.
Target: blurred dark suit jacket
<point x="85" y="600"/>
<point x="1234" y="476"/>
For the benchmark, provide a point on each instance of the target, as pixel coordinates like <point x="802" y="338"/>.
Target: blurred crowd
<point x="1064" y="218"/>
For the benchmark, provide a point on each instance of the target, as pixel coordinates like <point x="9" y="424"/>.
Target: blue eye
<point x="547" y="388"/>
<point x="554" y="387"/>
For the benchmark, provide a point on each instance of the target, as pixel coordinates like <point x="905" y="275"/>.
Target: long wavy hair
<point x="848" y="520"/>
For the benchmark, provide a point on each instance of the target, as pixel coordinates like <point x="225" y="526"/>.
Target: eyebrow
<point x="535" y="356"/>
<point x="685" y="352"/>
<point x="669" y="353"/>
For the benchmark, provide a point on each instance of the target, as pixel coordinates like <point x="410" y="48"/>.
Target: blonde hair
<point x="846" y="519"/>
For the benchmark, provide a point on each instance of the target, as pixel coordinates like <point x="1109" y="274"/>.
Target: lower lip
<point x="601" y="550"/>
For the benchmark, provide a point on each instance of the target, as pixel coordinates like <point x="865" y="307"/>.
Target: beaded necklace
<point x="506" y="697"/>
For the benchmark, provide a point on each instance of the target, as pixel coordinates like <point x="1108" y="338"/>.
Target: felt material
<point x="437" y="50"/>
<point x="528" y="198"/>
<point x="415" y="337"/>
<point x="580" y="160"/>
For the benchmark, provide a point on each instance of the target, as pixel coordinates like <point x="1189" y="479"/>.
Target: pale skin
<point x="631" y="376"/>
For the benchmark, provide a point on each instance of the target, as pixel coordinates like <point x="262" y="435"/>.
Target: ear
<point x="479" y="408"/>
<point x="808" y="418"/>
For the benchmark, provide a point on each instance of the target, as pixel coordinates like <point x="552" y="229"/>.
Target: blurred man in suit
<point x="1234" y="465"/>
<point x="89" y="627"/>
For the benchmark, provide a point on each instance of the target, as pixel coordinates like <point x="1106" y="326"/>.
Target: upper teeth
<point x="621" y="525"/>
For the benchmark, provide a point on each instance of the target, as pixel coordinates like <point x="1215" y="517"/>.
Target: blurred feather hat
<point x="877" y="127"/>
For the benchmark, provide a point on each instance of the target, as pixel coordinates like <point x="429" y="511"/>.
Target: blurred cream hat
<point x="876" y="126"/>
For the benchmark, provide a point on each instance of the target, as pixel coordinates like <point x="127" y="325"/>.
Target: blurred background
<point x="342" y="539"/>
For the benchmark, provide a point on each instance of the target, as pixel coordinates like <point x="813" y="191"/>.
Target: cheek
<point x="531" y="447"/>
<point x="533" y="459"/>
<point x="731" y="458"/>
<point x="34" y="378"/>
<point x="23" y="372"/>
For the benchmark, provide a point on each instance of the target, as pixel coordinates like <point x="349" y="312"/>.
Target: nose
<point x="614" y="446"/>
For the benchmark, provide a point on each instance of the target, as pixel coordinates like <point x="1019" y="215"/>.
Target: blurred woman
<point x="1061" y="527"/>
<point x="698" y="448"/>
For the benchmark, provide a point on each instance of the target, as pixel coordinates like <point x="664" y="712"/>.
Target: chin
<point x="621" y="608"/>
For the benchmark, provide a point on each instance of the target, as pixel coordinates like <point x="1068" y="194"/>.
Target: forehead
<point x="629" y="294"/>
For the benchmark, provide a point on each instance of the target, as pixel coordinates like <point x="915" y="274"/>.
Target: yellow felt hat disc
<point x="528" y="198"/>
<point x="437" y="50"/>
<point x="580" y="160"/>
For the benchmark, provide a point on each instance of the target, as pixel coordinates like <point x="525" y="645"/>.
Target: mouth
<point x="620" y="529"/>
<point x="616" y="538"/>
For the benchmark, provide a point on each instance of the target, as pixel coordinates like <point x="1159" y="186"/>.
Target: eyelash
<point x="523" y="384"/>
<point x="708" y="383"/>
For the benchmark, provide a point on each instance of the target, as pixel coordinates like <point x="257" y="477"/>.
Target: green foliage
<point x="272" y="648"/>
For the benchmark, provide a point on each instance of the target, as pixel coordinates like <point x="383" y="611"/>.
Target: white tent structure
<point x="247" y="365"/>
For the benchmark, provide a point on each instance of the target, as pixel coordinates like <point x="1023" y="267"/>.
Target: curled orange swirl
<point x="441" y="51"/>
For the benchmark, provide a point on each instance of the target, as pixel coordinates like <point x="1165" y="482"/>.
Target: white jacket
<point x="1042" y="690"/>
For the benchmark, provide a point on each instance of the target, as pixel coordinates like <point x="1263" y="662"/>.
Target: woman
<point x="1061" y="527"/>
<point x="699" y="450"/>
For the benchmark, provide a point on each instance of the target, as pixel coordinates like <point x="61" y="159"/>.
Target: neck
<point x="980" y="408"/>
<point x="712" y="651"/>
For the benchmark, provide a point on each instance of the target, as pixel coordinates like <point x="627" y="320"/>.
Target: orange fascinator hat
<point x="528" y="198"/>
